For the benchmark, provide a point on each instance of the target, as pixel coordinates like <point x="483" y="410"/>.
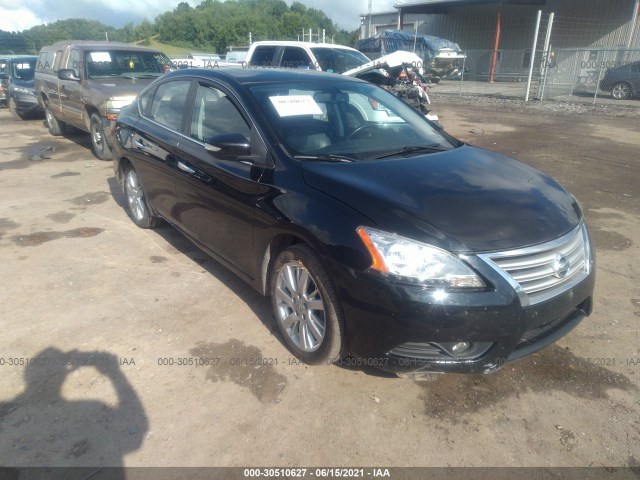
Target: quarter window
<point x="214" y="114"/>
<point x="169" y="102"/>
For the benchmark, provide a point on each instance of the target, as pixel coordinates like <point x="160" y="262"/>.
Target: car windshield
<point x="125" y="63"/>
<point x="338" y="60"/>
<point x="23" y="69"/>
<point x="346" y="121"/>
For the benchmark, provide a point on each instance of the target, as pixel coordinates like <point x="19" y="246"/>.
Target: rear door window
<point x="169" y="103"/>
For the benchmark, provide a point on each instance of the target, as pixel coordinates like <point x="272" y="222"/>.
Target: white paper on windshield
<point x="296" y="105"/>
<point x="100" y="57"/>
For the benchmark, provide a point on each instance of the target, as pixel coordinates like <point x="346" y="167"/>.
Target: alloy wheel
<point x="135" y="196"/>
<point x="299" y="307"/>
<point x="621" y="91"/>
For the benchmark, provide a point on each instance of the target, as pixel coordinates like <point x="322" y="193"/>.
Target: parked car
<point x="387" y="240"/>
<point x="17" y="82"/>
<point x="85" y="84"/>
<point x="623" y="82"/>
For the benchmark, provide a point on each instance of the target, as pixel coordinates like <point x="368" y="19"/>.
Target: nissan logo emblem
<point x="561" y="266"/>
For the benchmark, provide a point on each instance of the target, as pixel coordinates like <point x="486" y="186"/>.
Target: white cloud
<point x="17" y="16"/>
<point x="17" y="19"/>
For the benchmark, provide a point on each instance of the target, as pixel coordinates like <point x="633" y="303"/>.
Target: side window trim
<point x="237" y="104"/>
<point x="256" y="139"/>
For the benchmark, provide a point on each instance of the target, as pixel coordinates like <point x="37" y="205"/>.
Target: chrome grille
<point x="541" y="272"/>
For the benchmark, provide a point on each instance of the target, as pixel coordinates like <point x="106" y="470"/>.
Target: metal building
<point x="501" y="32"/>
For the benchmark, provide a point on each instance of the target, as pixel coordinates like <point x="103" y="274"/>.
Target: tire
<point x="12" y="108"/>
<point x="306" y="307"/>
<point x="98" y="141"/>
<point x="56" y="127"/>
<point x="137" y="206"/>
<point x="621" y="91"/>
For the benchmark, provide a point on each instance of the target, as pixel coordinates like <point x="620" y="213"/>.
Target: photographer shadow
<point x="40" y="428"/>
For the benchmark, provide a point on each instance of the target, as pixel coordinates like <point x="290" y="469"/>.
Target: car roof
<point x="22" y="58"/>
<point x="99" y="44"/>
<point x="243" y="76"/>
<point x="288" y="43"/>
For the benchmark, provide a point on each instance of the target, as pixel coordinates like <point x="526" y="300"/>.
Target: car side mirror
<point x="68" y="74"/>
<point x="232" y="145"/>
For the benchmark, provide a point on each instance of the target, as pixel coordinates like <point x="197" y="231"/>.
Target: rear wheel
<point x="56" y="127"/>
<point x="137" y="206"/>
<point x="98" y="141"/>
<point x="621" y="91"/>
<point x="306" y="307"/>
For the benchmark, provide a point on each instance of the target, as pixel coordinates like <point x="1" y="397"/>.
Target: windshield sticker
<point x="100" y="57"/>
<point x="296" y="105"/>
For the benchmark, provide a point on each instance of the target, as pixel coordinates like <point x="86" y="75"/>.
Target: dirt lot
<point x="79" y="278"/>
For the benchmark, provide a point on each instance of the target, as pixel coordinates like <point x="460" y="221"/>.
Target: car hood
<point x="464" y="200"/>
<point x="23" y="83"/>
<point x="119" y="87"/>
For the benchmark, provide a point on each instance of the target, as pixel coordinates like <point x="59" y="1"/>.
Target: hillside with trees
<point x="212" y="26"/>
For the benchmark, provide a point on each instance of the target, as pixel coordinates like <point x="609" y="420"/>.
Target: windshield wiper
<point x="325" y="158"/>
<point x="411" y="149"/>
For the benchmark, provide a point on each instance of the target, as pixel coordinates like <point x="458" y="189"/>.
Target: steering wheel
<point x="363" y="128"/>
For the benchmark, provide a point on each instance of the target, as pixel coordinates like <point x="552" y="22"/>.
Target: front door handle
<point x="184" y="167"/>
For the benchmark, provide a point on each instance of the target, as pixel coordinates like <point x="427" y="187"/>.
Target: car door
<point x="155" y="142"/>
<point x="71" y="92"/>
<point x="217" y="193"/>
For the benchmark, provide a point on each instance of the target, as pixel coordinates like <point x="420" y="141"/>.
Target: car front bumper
<point x="409" y="329"/>
<point x="27" y="104"/>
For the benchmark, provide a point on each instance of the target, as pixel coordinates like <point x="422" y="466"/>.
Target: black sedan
<point x="623" y="82"/>
<point x="376" y="234"/>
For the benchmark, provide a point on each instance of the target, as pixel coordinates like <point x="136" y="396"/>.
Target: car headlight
<point x="416" y="262"/>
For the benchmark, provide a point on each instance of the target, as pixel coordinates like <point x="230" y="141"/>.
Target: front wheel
<point x="55" y="126"/>
<point x="621" y="91"/>
<point x="12" y="108"/>
<point x="98" y="141"/>
<point x="137" y="206"/>
<point x="306" y="307"/>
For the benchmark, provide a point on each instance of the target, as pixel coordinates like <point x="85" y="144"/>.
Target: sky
<point x="20" y="15"/>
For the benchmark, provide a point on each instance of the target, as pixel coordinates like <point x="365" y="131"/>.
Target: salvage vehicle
<point x="441" y="58"/>
<point x="84" y="84"/>
<point x="18" y="84"/>
<point x="382" y="238"/>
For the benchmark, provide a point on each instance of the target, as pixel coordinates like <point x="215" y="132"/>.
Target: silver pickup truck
<point x="85" y="84"/>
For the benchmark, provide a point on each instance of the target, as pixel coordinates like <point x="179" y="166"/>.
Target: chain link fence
<point x="577" y="75"/>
